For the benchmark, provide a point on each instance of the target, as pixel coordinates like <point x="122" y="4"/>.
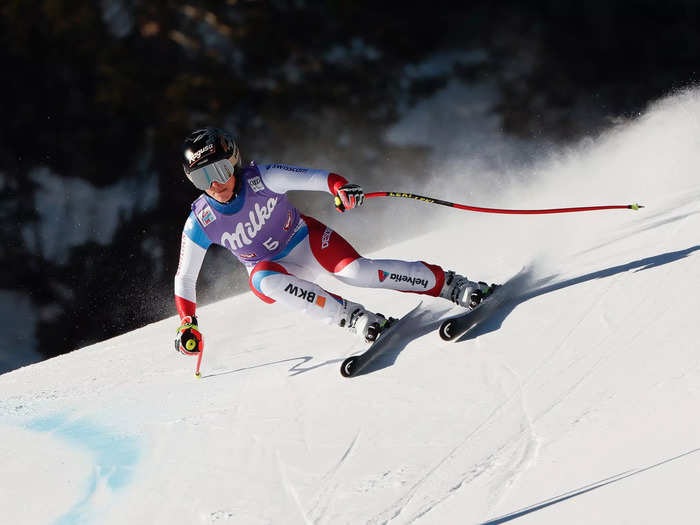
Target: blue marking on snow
<point x="114" y="458"/>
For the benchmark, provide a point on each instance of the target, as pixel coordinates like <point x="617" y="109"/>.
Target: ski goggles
<point x="219" y="171"/>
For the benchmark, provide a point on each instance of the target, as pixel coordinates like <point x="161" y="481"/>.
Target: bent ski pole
<point x="431" y="200"/>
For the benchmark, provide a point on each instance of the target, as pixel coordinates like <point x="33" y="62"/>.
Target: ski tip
<point x="347" y="369"/>
<point x="445" y="330"/>
<point x="635" y="206"/>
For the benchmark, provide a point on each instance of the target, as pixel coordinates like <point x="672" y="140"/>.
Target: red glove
<point x="349" y="196"/>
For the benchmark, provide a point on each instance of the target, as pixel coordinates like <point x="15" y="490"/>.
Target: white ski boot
<point x="362" y="322"/>
<point x="463" y="292"/>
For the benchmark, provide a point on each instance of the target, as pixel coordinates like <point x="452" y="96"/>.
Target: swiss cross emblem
<point x="206" y="216"/>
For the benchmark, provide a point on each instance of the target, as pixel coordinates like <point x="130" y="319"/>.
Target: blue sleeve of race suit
<point x="195" y="232"/>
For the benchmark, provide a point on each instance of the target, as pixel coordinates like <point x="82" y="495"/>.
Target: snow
<point x="64" y="224"/>
<point x="465" y="134"/>
<point x="577" y="403"/>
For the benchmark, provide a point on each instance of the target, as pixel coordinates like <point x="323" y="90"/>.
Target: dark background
<point x="104" y="92"/>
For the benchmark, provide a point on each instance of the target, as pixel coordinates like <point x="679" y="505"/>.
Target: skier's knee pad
<point x="260" y="271"/>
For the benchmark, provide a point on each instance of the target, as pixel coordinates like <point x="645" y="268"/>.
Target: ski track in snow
<point x="532" y="443"/>
<point x="524" y="446"/>
<point x="530" y="451"/>
<point x="289" y="487"/>
<point x="594" y="307"/>
<point x="322" y="500"/>
<point x="474" y="472"/>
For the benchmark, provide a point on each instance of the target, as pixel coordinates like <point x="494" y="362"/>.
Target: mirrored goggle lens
<point x="219" y="171"/>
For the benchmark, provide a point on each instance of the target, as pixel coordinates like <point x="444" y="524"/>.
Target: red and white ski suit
<point x="308" y="250"/>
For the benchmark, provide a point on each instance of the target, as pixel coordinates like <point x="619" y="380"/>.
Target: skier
<point x="245" y="210"/>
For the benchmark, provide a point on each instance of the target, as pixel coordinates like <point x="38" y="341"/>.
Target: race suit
<point x="285" y="251"/>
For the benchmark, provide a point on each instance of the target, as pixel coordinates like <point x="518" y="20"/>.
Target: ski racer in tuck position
<point x="245" y="210"/>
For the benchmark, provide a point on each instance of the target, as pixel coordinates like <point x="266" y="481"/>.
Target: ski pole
<point x="197" y="374"/>
<point x="431" y="200"/>
<point x="191" y="343"/>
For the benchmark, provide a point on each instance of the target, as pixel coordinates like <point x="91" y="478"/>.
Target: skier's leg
<point x="340" y="259"/>
<point x="272" y="282"/>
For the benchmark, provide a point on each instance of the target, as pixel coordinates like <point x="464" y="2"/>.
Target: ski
<point x="356" y="363"/>
<point x="455" y="327"/>
<point x="450" y="329"/>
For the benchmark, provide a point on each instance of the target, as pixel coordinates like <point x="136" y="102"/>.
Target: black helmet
<point x="210" y="154"/>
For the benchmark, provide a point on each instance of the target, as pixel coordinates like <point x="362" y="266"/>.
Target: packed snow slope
<point x="577" y="403"/>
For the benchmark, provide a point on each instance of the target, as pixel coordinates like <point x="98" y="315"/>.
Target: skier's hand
<point x="188" y="339"/>
<point x="349" y="196"/>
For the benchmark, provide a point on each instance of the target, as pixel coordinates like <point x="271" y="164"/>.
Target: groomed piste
<point x="577" y="403"/>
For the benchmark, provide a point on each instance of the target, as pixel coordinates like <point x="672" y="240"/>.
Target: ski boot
<point x="463" y="292"/>
<point x="364" y="323"/>
<point x="375" y="329"/>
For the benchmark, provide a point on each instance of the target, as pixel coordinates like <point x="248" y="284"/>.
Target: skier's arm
<point x="193" y="247"/>
<point x="281" y="178"/>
